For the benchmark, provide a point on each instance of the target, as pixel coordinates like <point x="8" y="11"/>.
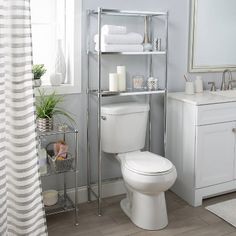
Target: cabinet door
<point x="215" y="154"/>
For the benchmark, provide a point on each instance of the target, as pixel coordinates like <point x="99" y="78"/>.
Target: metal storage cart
<point x="65" y="203"/>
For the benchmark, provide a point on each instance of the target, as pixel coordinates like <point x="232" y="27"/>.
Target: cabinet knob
<point x="234" y="130"/>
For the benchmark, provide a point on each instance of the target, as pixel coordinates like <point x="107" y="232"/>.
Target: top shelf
<point x="55" y="131"/>
<point x="114" y="12"/>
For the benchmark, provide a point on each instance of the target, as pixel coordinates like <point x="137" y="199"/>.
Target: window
<point x="53" y="20"/>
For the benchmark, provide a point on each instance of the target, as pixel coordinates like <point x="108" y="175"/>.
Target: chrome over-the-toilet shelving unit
<point x="100" y="94"/>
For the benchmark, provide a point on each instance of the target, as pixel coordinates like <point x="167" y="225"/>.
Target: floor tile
<point x="184" y="220"/>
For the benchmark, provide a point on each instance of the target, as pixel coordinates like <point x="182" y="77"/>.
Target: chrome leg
<point x="99" y="118"/>
<point x="88" y="156"/>
<point x="76" y="179"/>
<point x="64" y="180"/>
<point x="88" y="113"/>
<point x="166" y="87"/>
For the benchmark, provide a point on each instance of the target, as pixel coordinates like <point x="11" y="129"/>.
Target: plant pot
<point x="37" y="82"/>
<point x="45" y="124"/>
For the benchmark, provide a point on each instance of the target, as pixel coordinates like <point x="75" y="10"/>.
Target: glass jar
<point x="138" y="82"/>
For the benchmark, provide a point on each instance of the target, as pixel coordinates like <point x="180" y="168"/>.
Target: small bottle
<point x="198" y="84"/>
<point x="157" y="44"/>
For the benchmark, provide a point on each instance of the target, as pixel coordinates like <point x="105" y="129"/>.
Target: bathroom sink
<point x="227" y="93"/>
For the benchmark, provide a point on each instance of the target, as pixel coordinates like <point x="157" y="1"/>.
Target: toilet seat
<point x="146" y="163"/>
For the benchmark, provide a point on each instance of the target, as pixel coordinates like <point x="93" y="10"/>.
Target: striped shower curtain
<point x="21" y="208"/>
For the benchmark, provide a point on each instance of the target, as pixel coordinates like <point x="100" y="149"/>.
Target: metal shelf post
<point x="166" y="82"/>
<point x="88" y="113"/>
<point x="99" y="116"/>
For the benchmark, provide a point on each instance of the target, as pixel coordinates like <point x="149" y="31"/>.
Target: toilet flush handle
<point x="103" y="117"/>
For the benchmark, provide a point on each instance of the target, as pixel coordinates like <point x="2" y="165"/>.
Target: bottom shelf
<point x="50" y="171"/>
<point x="63" y="205"/>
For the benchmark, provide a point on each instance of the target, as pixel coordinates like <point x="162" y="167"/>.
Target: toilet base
<point x="125" y="206"/>
<point x="146" y="211"/>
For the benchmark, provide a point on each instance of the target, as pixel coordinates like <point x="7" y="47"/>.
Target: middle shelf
<point x="126" y="93"/>
<point x="129" y="53"/>
<point x="50" y="171"/>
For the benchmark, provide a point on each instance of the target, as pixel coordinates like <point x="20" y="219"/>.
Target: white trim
<point x="62" y="89"/>
<point x="74" y="29"/>
<point x="74" y="10"/>
<point x="109" y="189"/>
<point x="192" y="66"/>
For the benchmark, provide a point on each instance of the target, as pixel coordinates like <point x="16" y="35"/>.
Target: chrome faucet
<point x="223" y="83"/>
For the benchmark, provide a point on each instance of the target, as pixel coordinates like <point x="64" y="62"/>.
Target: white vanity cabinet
<point x="215" y="154"/>
<point x="201" y="138"/>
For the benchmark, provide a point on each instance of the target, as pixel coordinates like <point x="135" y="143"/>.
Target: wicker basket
<point x="59" y="165"/>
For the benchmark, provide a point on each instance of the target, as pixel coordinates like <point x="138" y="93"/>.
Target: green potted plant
<point x="38" y="70"/>
<point x="47" y="108"/>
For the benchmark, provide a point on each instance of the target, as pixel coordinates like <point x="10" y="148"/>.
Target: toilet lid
<point x="147" y="162"/>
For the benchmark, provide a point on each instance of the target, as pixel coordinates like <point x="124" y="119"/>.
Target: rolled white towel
<point x="130" y="38"/>
<point x="114" y="29"/>
<point x="120" y="47"/>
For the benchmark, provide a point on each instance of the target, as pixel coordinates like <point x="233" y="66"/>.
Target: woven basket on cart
<point x="60" y="165"/>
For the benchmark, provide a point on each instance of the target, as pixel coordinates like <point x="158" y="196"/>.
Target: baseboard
<point x="109" y="189"/>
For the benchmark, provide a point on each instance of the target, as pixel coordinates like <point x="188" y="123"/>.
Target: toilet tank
<point x="124" y="127"/>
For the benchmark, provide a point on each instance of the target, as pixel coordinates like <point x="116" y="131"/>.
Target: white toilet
<point x="146" y="175"/>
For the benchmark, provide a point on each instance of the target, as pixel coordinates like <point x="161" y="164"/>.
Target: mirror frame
<point x="192" y="67"/>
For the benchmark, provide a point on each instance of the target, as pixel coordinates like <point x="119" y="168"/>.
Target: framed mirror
<point x="212" y="44"/>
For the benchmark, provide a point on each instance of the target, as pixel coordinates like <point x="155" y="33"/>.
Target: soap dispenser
<point x="198" y="84"/>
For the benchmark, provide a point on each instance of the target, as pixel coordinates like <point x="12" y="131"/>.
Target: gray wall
<point x="177" y="67"/>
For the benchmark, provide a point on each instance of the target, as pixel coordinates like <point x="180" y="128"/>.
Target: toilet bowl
<point x="146" y="175"/>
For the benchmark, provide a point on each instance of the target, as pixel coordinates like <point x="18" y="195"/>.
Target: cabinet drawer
<point x="216" y="113"/>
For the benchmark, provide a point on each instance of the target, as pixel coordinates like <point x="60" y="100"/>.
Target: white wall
<point x="177" y="67"/>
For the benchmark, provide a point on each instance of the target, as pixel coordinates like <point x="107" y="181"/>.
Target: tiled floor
<point x="184" y="220"/>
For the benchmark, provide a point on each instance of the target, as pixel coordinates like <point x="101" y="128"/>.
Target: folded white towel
<point x="113" y="29"/>
<point x="130" y="38"/>
<point x="120" y="47"/>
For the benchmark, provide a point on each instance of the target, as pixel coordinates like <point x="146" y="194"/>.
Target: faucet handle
<point x="230" y="85"/>
<point x="223" y="86"/>
<point x="213" y="86"/>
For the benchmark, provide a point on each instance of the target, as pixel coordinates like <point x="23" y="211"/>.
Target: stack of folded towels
<point x="116" y="39"/>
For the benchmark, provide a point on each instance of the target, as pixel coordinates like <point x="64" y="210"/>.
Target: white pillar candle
<point x="121" y="71"/>
<point x="113" y="82"/>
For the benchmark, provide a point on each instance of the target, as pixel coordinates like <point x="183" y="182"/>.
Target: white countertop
<point x="199" y="99"/>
